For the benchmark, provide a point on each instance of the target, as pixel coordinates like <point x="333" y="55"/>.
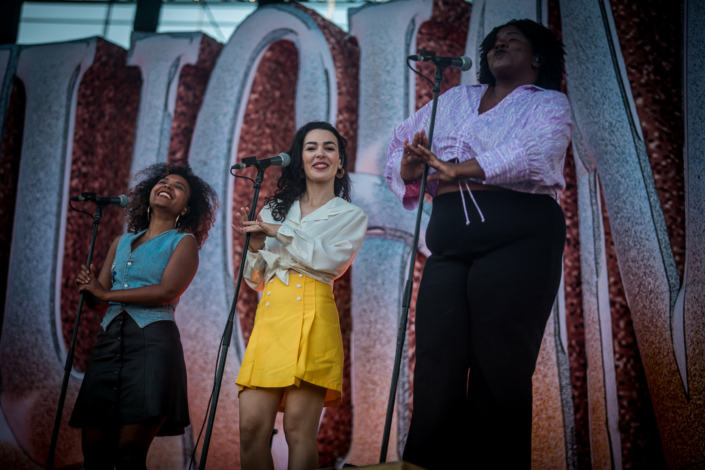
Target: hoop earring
<point x="340" y="173"/>
<point x="148" y="214"/>
<point x="176" y="223"/>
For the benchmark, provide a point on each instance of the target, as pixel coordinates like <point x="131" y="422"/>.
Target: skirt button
<point x="298" y="298"/>
<point x="267" y="304"/>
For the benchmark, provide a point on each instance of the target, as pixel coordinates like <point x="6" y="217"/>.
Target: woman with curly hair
<point x="490" y="283"/>
<point x="306" y="237"/>
<point x="135" y="384"/>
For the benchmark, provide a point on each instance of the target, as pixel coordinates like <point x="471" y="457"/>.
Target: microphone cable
<point x="417" y="72"/>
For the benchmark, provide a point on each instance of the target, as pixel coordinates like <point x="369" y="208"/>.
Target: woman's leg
<point x="302" y="414"/>
<point x="134" y="441"/>
<point x="511" y="291"/>
<point x="258" y="410"/>
<point x="99" y="447"/>
<point x="437" y="435"/>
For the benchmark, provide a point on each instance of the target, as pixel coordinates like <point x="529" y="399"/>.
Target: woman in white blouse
<point x="306" y="236"/>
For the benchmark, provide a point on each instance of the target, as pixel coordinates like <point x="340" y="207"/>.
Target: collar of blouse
<point x="333" y="207"/>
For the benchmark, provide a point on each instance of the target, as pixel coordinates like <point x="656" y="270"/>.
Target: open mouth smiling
<point x="320" y="166"/>
<point x="165" y="195"/>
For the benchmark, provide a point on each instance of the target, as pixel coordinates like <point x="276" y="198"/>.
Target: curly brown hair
<point x="202" y="203"/>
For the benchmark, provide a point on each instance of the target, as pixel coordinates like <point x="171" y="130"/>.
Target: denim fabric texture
<point x="141" y="267"/>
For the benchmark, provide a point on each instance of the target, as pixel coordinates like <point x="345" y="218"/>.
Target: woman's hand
<point x="87" y="283"/>
<point x="411" y="164"/>
<point x="259" y="227"/>
<point x="444" y="171"/>
<point x="257" y="238"/>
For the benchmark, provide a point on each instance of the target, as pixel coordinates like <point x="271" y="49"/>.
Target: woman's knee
<point x="131" y="455"/>
<point x="98" y="446"/>
<point x="254" y="430"/>
<point x="298" y="430"/>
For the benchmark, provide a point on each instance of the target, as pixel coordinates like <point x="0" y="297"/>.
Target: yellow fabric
<point x="296" y="337"/>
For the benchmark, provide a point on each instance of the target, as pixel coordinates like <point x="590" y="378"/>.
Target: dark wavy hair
<point x="202" y="203"/>
<point x="543" y="42"/>
<point x="292" y="185"/>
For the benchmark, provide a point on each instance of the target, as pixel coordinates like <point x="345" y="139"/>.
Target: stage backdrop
<point x="620" y="381"/>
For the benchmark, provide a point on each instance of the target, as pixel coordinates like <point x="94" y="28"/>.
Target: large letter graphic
<point x="160" y="58"/>
<point x="605" y="439"/>
<point x="31" y="344"/>
<point x="666" y="321"/>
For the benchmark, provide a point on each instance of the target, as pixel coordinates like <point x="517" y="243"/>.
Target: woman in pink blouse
<point x="496" y="236"/>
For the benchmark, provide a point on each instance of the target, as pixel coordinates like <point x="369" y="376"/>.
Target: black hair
<point x="202" y="203"/>
<point x="543" y="43"/>
<point x="292" y="183"/>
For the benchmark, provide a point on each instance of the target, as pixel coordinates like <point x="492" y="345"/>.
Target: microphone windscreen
<point x="124" y="200"/>
<point x="467" y="63"/>
<point x="285" y="159"/>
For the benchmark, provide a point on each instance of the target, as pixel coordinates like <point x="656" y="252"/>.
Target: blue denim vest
<point x="142" y="267"/>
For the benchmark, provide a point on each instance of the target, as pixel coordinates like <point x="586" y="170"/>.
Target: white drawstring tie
<point x="465" y="209"/>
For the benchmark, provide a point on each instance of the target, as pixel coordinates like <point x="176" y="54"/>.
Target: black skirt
<point x="133" y="375"/>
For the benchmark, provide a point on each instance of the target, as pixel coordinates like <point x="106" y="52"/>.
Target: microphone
<point x="463" y="63"/>
<point x="120" y="201"/>
<point x="282" y="160"/>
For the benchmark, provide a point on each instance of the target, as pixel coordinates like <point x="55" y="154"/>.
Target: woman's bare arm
<point x="177" y="276"/>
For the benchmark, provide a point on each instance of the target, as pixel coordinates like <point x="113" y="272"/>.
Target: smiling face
<point x="320" y="156"/>
<point x="170" y="194"/>
<point x="512" y="55"/>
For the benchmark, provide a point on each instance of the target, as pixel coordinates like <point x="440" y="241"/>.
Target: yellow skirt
<point x="296" y="337"/>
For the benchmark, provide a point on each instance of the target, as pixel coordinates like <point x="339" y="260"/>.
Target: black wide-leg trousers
<point x="486" y="294"/>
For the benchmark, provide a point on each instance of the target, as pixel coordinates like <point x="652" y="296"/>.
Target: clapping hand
<point x="411" y="163"/>
<point x="444" y="171"/>
<point x="258" y="229"/>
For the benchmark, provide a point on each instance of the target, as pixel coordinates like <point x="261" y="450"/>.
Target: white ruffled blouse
<point x="321" y="245"/>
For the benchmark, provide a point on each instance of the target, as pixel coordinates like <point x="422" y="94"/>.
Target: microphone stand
<point x="227" y="335"/>
<point x="406" y="302"/>
<point x="69" y="357"/>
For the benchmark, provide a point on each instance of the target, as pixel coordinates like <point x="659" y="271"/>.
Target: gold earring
<point x="176" y="223"/>
<point x="340" y="173"/>
<point x="148" y="214"/>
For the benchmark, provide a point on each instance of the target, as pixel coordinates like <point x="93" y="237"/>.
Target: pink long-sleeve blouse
<point x="520" y="143"/>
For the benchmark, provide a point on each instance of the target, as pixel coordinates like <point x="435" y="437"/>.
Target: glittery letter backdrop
<point x="620" y="381"/>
